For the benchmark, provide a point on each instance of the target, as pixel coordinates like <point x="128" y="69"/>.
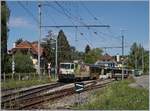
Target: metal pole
<point x="122" y="56"/>
<point x="39" y="40"/>
<point x="13" y="66"/>
<point x="56" y="57"/>
<point x="13" y="62"/>
<point x="142" y="60"/>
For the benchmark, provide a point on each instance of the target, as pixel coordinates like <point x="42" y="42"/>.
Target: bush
<point x="23" y="63"/>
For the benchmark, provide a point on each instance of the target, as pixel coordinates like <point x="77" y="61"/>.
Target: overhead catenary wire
<point x="28" y="11"/>
<point x="90" y="13"/>
<point x="80" y="20"/>
<point x="70" y="18"/>
<point x="73" y="23"/>
<point x="51" y="17"/>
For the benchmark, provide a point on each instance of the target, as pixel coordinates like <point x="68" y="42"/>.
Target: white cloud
<point x="19" y="22"/>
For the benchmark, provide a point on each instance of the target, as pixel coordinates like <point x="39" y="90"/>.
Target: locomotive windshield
<point x="67" y="66"/>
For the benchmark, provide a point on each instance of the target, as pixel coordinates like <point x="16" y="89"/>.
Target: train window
<point x="65" y="66"/>
<point x="72" y="66"/>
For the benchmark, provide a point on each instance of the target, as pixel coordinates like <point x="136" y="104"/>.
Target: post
<point x="142" y="60"/>
<point x="13" y="62"/>
<point x="39" y="41"/>
<point x="56" y="57"/>
<point x="122" y="56"/>
<point x="13" y="66"/>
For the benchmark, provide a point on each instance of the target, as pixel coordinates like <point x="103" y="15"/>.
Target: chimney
<point x="14" y="45"/>
<point x="118" y="58"/>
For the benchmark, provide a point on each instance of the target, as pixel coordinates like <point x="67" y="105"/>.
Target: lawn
<point x="118" y="96"/>
<point x="25" y="83"/>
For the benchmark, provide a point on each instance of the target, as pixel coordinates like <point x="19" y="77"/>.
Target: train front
<point x="66" y="72"/>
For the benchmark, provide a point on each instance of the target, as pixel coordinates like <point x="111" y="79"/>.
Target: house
<point x="106" y="61"/>
<point x="29" y="47"/>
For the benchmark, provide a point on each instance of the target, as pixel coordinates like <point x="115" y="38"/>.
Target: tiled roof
<point x="106" y="57"/>
<point x="27" y="45"/>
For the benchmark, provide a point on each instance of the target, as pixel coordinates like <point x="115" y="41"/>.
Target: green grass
<point x="118" y="96"/>
<point x="25" y="83"/>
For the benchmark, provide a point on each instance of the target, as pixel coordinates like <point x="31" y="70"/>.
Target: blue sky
<point x="130" y="16"/>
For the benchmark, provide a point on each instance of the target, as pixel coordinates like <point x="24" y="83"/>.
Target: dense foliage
<point x="138" y="57"/>
<point x="93" y="55"/>
<point x="5" y="12"/>
<point x="49" y="50"/>
<point x="64" y="49"/>
<point x="23" y="63"/>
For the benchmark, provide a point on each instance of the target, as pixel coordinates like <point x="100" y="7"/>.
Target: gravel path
<point x="141" y="82"/>
<point x="68" y="101"/>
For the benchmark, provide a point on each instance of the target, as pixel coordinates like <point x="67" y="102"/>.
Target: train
<point x="69" y="71"/>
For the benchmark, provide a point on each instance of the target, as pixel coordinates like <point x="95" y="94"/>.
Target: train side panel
<point x="82" y="72"/>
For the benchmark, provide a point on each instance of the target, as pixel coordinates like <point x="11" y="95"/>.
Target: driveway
<point x="141" y="81"/>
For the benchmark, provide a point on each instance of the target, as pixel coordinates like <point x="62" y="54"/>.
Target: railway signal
<point x="79" y="87"/>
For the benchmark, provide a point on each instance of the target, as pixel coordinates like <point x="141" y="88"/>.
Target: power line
<point x="76" y="26"/>
<point x="70" y="17"/>
<point x="85" y="23"/>
<point x="28" y="11"/>
<point x="71" y="21"/>
<point x="90" y="13"/>
<point x="75" y="17"/>
<point x="51" y="17"/>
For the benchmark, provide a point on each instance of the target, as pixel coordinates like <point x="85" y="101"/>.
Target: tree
<point x="87" y="49"/>
<point x="93" y="55"/>
<point x="8" y="64"/>
<point x="23" y="63"/>
<point x="137" y="53"/>
<point x="19" y="41"/>
<point x="64" y="50"/>
<point x="146" y="61"/>
<point x="5" y="12"/>
<point x="49" y="49"/>
<point x="73" y="52"/>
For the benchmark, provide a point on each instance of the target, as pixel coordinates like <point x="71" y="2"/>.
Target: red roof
<point x="27" y="45"/>
<point x="106" y="57"/>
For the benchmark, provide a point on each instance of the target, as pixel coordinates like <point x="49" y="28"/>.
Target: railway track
<point x="11" y="96"/>
<point x="33" y="99"/>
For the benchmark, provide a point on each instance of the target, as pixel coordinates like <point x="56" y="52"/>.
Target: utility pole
<point x="39" y="40"/>
<point x="56" y="56"/>
<point x="142" y="60"/>
<point x="13" y="62"/>
<point x="135" y="61"/>
<point x="122" y="55"/>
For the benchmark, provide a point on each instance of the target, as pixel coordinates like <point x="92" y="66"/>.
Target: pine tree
<point x="87" y="49"/>
<point x="64" y="50"/>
